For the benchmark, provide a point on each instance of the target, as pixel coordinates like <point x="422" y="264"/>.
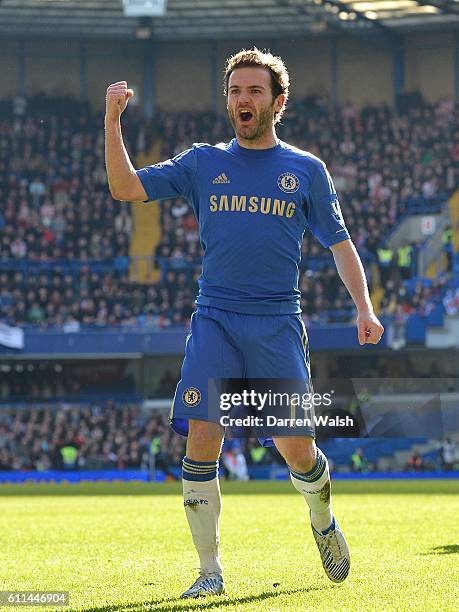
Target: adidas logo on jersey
<point x="221" y="179"/>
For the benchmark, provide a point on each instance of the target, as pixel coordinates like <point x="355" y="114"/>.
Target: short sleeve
<point x="325" y="219"/>
<point x="171" y="178"/>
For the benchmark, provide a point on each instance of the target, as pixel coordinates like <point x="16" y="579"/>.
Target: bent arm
<point x="351" y="271"/>
<point x="124" y="184"/>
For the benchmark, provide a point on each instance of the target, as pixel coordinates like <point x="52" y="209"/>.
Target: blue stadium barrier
<point x="420" y="205"/>
<point x="398" y="476"/>
<point x="416" y="329"/>
<point x="340" y="450"/>
<point x="256" y="473"/>
<point x="281" y="473"/>
<point x="74" y="476"/>
<point x="167" y="342"/>
<point x="103" y="342"/>
<point x="437" y="317"/>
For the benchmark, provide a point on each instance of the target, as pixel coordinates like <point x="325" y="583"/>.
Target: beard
<point x="262" y="123"/>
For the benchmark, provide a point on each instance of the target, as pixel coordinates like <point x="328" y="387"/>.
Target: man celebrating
<point x="253" y="197"/>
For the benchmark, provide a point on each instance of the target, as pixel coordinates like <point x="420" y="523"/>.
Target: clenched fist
<point x="116" y="100"/>
<point x="369" y="328"/>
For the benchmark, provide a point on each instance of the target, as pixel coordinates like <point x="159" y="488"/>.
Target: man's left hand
<point x="369" y="328"/>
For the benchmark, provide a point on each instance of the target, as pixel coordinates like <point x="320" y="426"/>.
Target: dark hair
<point x="262" y="59"/>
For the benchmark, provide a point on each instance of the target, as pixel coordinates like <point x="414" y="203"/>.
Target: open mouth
<point x="245" y="116"/>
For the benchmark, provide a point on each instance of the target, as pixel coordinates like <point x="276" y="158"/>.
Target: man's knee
<point x="204" y="441"/>
<point x="299" y="453"/>
<point x="303" y="462"/>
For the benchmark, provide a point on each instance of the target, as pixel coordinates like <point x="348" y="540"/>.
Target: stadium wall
<point x="430" y="64"/>
<point x="9" y="69"/>
<point x="188" y="75"/>
<point x="108" y="63"/>
<point x="93" y="375"/>
<point x="182" y="76"/>
<point x="57" y="69"/>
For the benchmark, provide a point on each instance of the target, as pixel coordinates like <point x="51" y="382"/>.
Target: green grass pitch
<point x="126" y="546"/>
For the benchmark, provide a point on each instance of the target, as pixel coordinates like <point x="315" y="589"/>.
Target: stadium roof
<point x="377" y="20"/>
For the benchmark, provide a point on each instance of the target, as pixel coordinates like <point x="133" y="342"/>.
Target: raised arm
<point x="351" y="271"/>
<point x="123" y="182"/>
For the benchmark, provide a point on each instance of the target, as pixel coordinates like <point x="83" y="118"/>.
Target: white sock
<point x="202" y="500"/>
<point x="315" y="487"/>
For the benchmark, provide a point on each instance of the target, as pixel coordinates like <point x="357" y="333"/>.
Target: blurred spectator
<point x="415" y="462"/>
<point x="449" y="454"/>
<point x="234" y="460"/>
<point x="404" y="261"/>
<point x="160" y="455"/>
<point x="69" y="457"/>
<point x="447" y="240"/>
<point x="258" y="454"/>
<point x="359" y="462"/>
<point x="71" y="325"/>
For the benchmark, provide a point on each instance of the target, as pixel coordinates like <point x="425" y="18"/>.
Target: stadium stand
<point x="103" y="436"/>
<point x="65" y="244"/>
<point x="74" y="437"/>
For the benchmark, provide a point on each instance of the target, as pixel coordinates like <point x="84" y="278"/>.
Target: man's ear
<point x="279" y="102"/>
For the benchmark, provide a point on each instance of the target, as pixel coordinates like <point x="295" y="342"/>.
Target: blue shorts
<point x="223" y="344"/>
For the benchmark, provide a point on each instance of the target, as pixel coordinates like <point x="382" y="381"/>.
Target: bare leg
<point x="204" y="441"/>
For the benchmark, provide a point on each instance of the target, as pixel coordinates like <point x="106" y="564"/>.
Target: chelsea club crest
<point x="191" y="396"/>
<point x="288" y="182"/>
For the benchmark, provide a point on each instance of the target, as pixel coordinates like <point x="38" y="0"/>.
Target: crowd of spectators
<point x="108" y="436"/>
<point x="71" y="436"/>
<point x="74" y="437"/>
<point x="68" y="301"/>
<point x="64" y="242"/>
<point x="401" y="300"/>
<point x="55" y="210"/>
<point x="451" y="301"/>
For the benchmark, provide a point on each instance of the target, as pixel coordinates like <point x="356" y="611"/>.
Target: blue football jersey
<point x="253" y="207"/>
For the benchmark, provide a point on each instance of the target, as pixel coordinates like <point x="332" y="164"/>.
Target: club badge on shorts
<point x="191" y="397"/>
<point x="288" y="182"/>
